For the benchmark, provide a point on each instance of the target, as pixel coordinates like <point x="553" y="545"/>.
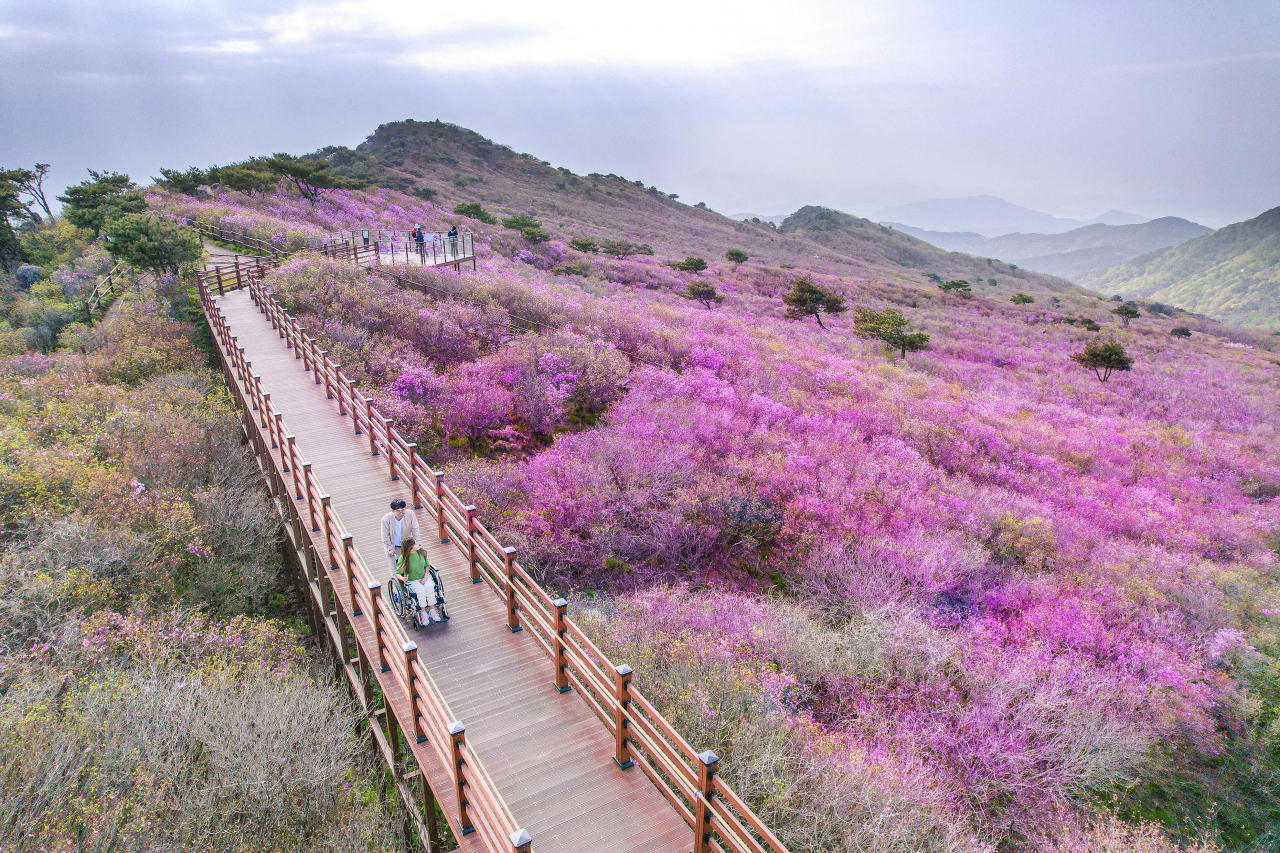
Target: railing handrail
<point x="104" y="288"/>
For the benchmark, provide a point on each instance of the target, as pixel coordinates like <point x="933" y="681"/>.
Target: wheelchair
<point x="405" y="604"/>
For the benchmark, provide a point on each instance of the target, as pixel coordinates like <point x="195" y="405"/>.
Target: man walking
<point x="397" y="526"/>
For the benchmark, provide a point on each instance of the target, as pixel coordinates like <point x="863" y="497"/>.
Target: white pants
<point x="425" y="591"/>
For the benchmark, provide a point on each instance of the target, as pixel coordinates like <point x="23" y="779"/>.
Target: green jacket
<point x="414" y="566"/>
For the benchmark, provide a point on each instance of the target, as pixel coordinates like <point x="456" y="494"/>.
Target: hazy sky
<point x="1076" y="107"/>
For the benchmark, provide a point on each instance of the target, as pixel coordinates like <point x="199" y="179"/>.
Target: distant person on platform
<point x="420" y="239"/>
<point x="453" y="240"/>
<point x="397" y="526"/>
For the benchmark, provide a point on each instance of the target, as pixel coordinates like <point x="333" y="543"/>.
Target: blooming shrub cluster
<point x="1013" y="593"/>
<point x="147" y="702"/>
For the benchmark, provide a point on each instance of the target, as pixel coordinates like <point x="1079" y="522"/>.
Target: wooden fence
<point x="719" y="818"/>
<point x="104" y="289"/>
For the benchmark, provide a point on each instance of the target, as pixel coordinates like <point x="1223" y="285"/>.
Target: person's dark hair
<point x="405" y="548"/>
<point x="397" y="504"/>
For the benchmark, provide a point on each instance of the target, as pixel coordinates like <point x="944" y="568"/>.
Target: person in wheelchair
<point x="414" y="571"/>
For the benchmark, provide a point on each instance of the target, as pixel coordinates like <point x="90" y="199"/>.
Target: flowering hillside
<point x="966" y="599"/>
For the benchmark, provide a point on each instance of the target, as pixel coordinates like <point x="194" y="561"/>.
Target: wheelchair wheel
<point x="398" y="595"/>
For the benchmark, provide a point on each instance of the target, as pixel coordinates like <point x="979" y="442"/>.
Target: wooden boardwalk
<point x="549" y="757"/>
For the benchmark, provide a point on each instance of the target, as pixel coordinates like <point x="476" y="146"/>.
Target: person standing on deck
<point x="397" y="526"/>
<point x="453" y="240"/>
<point x="420" y="239"/>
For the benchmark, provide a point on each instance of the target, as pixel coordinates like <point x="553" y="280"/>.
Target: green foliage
<point x="183" y="182"/>
<point x="624" y="249"/>
<point x="12" y="213"/>
<point x="530" y="228"/>
<point x="704" y="292"/>
<point x="311" y="178"/>
<point x="689" y="264"/>
<point x="808" y="299"/>
<point x="1103" y="358"/>
<point x="472" y="210"/>
<point x="891" y="327"/>
<point x="250" y="178"/>
<point x="150" y="243"/>
<point x="53" y="244"/>
<point x="958" y="286"/>
<point x="992" y="282"/>
<point x="584" y="244"/>
<point x="735" y="256"/>
<point x="1092" y="326"/>
<point x="1126" y="312"/>
<point x="581" y="268"/>
<point x="1180" y="332"/>
<point x="93" y="203"/>
<point x="424" y="193"/>
<point x="1022" y="299"/>
<point x="934" y="277"/>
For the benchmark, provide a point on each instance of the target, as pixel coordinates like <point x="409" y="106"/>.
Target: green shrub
<point x="1022" y="299"/>
<point x="808" y="299"/>
<point x="1180" y="332"/>
<point x="584" y="244"/>
<point x="1103" y="358"/>
<point x="624" y="249"/>
<point x="704" y="292"/>
<point x="472" y="210"/>
<point x="891" y="327"/>
<point x="689" y="264"/>
<point x="736" y="256"/>
<point x="105" y="196"/>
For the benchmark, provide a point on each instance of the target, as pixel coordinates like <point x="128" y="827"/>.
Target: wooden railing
<point x="480" y="807"/>
<point x="104" y="288"/>
<point x="437" y="248"/>
<point x="720" y="819"/>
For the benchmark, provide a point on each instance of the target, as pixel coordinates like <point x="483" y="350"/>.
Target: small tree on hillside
<point x="31" y="182"/>
<point x="472" y="210"/>
<point x="529" y="228"/>
<point x="105" y="196"/>
<point x="933" y="277"/>
<point x="1022" y="299"/>
<point x="250" y="178"/>
<point x="12" y="214"/>
<point x="585" y="245"/>
<point x="1103" y="357"/>
<point x="311" y="178"/>
<point x="891" y="327"/>
<point x="689" y="264"/>
<point x="704" y="292"/>
<point x="1180" y="332"/>
<point x="150" y="243"/>
<point x="182" y="182"/>
<point x="624" y="249"/>
<point x="1126" y="312"/>
<point x="807" y="299"/>
<point x="736" y="256"/>
<point x="958" y="286"/>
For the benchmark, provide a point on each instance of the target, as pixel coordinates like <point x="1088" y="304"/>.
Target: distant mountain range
<point x="989" y="216"/>
<point x="1232" y="274"/>
<point x="1070" y="254"/>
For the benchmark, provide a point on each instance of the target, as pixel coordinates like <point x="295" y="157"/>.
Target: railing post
<point x="221" y="291"/>
<point x="337" y="376"/>
<point x="269" y="423"/>
<point x="410" y="650"/>
<point x="368" y="413"/>
<point x="513" y="621"/>
<point x="311" y="505"/>
<point x="328" y="530"/>
<point x="562" y="661"/>
<point x="284" y="462"/>
<point x="391" y="449"/>
<point x="521" y="841"/>
<point x="317" y="362"/>
<point x="413" y="474"/>
<point x="458" y="733"/>
<point x="303" y="345"/>
<point x="707" y="763"/>
<point x="349" y="561"/>
<point x="470" y="509"/>
<point x="622" y="698"/>
<point x="444" y="537"/>
<point x="375" y="593"/>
